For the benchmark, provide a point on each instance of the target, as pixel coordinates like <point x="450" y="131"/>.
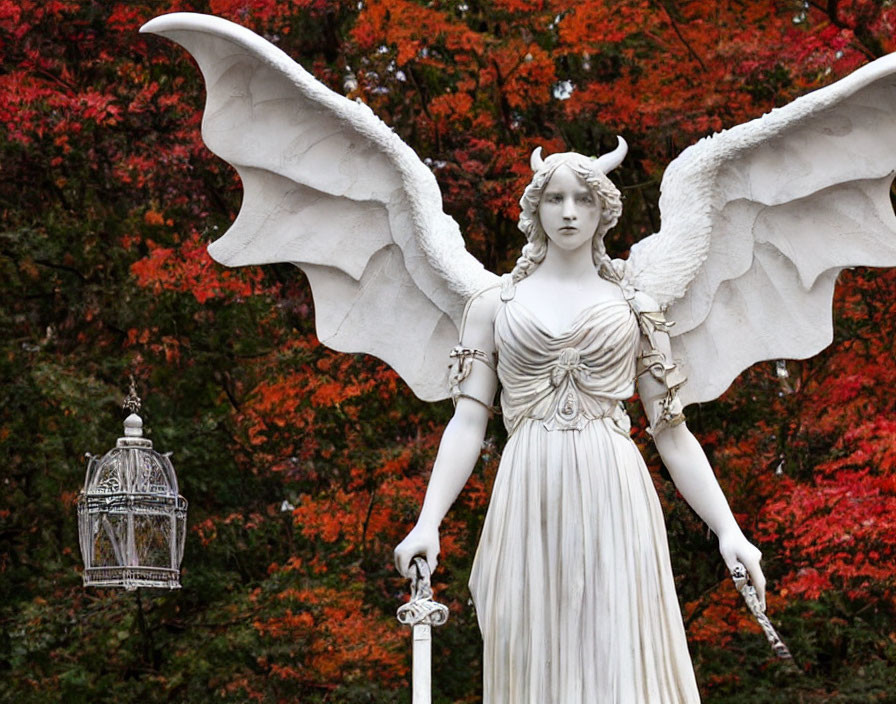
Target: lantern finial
<point x="132" y="400"/>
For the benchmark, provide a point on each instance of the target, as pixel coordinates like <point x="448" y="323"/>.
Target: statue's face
<point x="569" y="210"/>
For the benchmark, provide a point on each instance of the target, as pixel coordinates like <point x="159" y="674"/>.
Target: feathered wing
<point x="330" y="188"/>
<point x="758" y="221"/>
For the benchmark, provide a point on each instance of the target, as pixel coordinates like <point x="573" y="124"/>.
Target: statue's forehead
<point x="570" y="176"/>
<point x="584" y="168"/>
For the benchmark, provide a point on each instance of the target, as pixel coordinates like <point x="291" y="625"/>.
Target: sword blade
<point x="421" y="679"/>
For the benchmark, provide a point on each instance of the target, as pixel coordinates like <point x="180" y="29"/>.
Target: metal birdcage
<point x="131" y="518"/>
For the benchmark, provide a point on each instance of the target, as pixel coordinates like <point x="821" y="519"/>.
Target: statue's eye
<point x="554" y="198"/>
<point x="586" y="198"/>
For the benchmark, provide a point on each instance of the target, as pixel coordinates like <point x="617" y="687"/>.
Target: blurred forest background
<point x="303" y="467"/>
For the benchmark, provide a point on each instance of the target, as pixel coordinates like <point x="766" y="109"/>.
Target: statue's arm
<point x="461" y="442"/>
<point x="693" y="477"/>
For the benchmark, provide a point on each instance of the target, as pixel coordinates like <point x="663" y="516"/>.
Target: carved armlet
<point x="462" y="359"/>
<point x="670" y="411"/>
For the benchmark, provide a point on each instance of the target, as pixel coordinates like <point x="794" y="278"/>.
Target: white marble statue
<point x="572" y="583"/>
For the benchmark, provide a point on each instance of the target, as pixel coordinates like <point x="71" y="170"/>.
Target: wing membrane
<point x="759" y="220"/>
<point x="330" y="188"/>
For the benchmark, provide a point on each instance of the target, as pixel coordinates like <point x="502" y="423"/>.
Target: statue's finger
<point x="757" y="578"/>
<point x="759" y="583"/>
<point x="402" y="562"/>
<point x="432" y="559"/>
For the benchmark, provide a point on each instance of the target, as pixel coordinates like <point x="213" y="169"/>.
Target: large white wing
<point x="758" y="221"/>
<point x="330" y="188"/>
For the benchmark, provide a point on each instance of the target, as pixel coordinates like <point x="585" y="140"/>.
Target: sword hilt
<point x="422" y="609"/>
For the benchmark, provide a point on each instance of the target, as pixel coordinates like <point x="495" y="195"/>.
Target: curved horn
<point x="535" y="161"/>
<point x="608" y="162"/>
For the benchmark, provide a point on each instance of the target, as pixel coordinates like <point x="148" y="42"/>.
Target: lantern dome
<point x="131" y="518"/>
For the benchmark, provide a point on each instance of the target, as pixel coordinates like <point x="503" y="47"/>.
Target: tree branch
<point x="680" y="36"/>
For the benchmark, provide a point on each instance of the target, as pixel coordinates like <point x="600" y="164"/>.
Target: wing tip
<point x="199" y="22"/>
<point x="214" y="250"/>
<point x="173" y="21"/>
<point x="227" y="255"/>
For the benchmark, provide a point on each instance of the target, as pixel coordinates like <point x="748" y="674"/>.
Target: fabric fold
<point x="572" y="580"/>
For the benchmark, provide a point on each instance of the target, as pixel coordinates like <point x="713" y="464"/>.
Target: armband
<point x="462" y="359"/>
<point x="670" y="411"/>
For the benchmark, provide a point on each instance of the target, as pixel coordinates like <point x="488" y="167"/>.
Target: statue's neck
<point x="567" y="265"/>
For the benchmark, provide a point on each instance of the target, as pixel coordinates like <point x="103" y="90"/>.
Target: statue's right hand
<point x="422" y="540"/>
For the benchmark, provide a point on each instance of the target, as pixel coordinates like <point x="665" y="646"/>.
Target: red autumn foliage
<point x="188" y="268"/>
<point x="303" y="466"/>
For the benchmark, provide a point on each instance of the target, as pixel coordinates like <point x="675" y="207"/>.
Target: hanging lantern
<point x="131" y="519"/>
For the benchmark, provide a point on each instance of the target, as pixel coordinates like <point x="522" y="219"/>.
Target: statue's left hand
<point x="736" y="548"/>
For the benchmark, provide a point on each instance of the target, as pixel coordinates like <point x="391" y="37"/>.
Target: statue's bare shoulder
<point x="478" y="330"/>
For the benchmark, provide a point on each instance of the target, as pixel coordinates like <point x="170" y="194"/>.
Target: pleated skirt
<point x="572" y="582"/>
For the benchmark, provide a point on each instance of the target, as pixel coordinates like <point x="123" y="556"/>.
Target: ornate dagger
<point x="748" y="592"/>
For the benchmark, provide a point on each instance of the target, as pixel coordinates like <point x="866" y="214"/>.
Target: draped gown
<point x="572" y="581"/>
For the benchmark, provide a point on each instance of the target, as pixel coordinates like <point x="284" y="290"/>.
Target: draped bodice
<point x="566" y="380"/>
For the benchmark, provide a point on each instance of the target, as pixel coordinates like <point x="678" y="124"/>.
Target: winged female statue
<point x="572" y="581"/>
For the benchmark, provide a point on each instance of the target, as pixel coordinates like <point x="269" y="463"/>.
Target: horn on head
<point x="535" y="161"/>
<point x="608" y="162"/>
